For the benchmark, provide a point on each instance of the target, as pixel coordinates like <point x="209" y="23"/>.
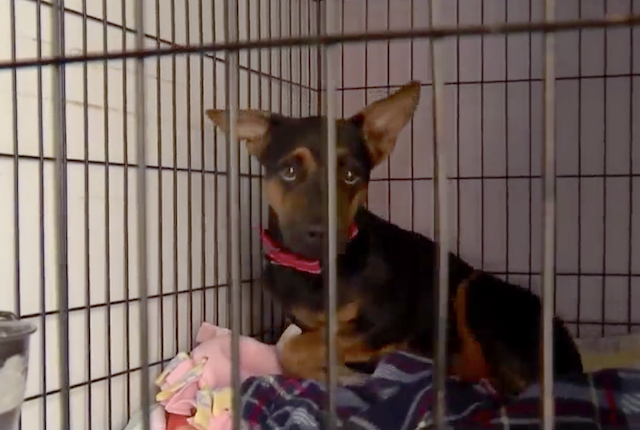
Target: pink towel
<point x="207" y="369"/>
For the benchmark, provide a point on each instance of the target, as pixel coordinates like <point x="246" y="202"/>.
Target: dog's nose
<point x="315" y="233"/>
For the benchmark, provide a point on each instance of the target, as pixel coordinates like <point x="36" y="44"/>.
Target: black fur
<point x="389" y="271"/>
<point x="392" y="271"/>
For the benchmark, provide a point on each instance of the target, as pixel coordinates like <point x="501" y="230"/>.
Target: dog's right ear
<point x="252" y="125"/>
<point x="382" y="121"/>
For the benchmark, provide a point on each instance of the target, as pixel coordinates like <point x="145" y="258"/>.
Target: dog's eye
<point x="288" y="173"/>
<point x="350" y="178"/>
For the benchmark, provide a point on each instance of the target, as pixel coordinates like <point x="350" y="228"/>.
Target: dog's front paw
<point x="302" y="356"/>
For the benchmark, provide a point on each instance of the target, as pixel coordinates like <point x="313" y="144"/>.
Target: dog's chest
<point x="303" y="295"/>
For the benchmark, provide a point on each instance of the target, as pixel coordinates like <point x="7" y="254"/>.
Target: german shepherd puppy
<point x="386" y="275"/>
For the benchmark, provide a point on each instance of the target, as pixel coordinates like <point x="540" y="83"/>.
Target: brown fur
<point x="305" y="355"/>
<point x="386" y="289"/>
<point x="275" y="195"/>
<point x="470" y="364"/>
<point x="357" y="201"/>
<point x="306" y="157"/>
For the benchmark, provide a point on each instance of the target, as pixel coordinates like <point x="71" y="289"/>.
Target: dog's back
<point x="402" y="300"/>
<point x="504" y="319"/>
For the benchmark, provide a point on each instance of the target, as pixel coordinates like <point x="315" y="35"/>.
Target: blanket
<point x="400" y="395"/>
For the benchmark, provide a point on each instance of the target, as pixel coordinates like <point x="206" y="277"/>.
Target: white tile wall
<point x="493" y="122"/>
<point x="187" y="226"/>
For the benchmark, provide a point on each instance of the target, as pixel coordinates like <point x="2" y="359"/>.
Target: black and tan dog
<point x="386" y="275"/>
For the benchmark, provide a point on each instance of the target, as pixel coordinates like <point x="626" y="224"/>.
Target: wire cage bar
<point x="441" y="217"/>
<point x="329" y="65"/>
<point x="60" y="190"/>
<point x="471" y="30"/>
<point x="141" y="194"/>
<point x="221" y="284"/>
<point x="232" y="87"/>
<point x="549" y="222"/>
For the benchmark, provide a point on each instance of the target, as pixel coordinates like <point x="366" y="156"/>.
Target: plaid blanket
<point x="399" y="395"/>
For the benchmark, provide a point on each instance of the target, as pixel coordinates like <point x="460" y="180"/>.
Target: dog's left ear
<point x="252" y="127"/>
<point x="382" y="121"/>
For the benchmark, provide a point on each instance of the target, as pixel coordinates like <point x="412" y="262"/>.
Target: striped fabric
<point x="400" y="395"/>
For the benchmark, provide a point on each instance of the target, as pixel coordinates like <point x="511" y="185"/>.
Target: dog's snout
<point x="315" y="233"/>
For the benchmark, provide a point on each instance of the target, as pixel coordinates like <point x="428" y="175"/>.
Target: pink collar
<point x="279" y="257"/>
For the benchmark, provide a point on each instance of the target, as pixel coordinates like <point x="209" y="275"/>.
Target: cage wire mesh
<point x="105" y="151"/>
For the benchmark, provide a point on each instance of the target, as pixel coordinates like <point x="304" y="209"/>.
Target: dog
<point x="386" y="288"/>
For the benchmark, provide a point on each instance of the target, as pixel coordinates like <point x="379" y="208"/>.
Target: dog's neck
<point x="278" y="255"/>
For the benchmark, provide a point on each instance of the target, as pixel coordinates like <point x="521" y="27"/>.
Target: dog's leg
<point x="488" y="359"/>
<point x="470" y="364"/>
<point x="304" y="356"/>
<point x="354" y="350"/>
<point x="509" y="375"/>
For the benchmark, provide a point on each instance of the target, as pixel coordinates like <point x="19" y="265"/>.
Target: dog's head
<point x="293" y="154"/>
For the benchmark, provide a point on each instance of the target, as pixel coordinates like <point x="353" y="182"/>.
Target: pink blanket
<point x="197" y="385"/>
